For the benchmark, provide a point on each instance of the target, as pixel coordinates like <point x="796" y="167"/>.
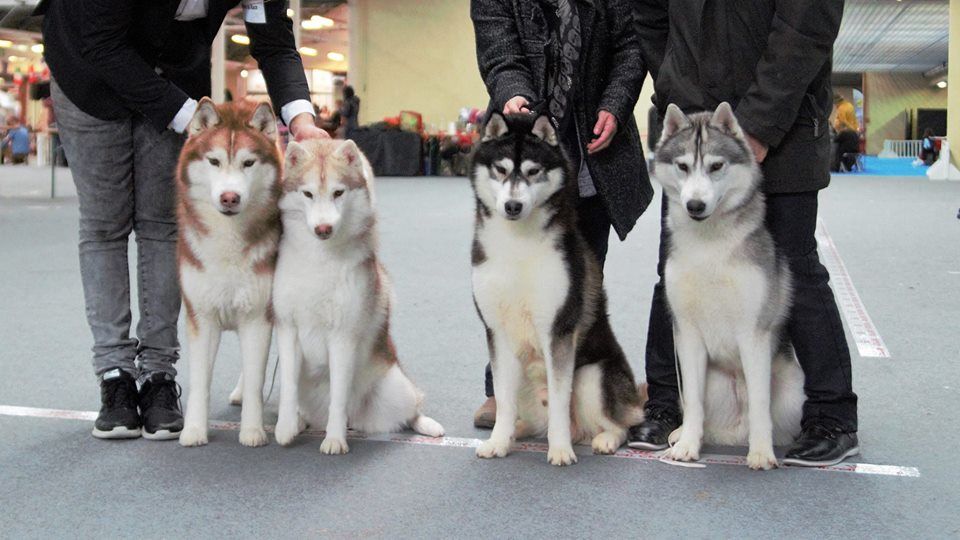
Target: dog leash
<point x="662" y="455"/>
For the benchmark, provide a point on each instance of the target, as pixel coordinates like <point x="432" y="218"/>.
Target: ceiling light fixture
<point x="4" y="44"/>
<point x="38" y="48"/>
<point x="317" y="23"/>
<point x="240" y="39"/>
<point x="308" y="51"/>
<point x="336" y="57"/>
<point x="244" y="73"/>
<point x="942" y="84"/>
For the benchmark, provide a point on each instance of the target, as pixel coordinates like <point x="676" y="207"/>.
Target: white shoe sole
<point x="795" y="462"/>
<point x="647" y="446"/>
<point x="119" y="432"/>
<point x="161" y="435"/>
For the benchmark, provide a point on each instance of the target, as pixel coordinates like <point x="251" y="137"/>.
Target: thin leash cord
<point x="273" y="379"/>
<point x="676" y="365"/>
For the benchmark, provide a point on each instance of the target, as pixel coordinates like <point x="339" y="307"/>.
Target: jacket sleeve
<point x="500" y="56"/>
<point x="627" y="69"/>
<point x="799" y="44"/>
<point x="652" y="24"/>
<point x="273" y="46"/>
<point x="104" y="44"/>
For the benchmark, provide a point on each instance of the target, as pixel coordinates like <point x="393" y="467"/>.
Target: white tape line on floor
<point x="868" y="340"/>
<point x="463" y="442"/>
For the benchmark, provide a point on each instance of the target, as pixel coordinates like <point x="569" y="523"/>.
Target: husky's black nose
<point x="513" y="208"/>
<point x="696" y="207"/>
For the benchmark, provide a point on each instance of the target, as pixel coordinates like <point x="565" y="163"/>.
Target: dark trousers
<point x="814" y="325"/>
<point x="594" y="225"/>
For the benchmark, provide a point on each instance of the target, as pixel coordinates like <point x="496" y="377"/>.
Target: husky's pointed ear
<point x="295" y="156"/>
<point x="349" y="152"/>
<point x="724" y="118"/>
<point x="543" y="129"/>
<point x="674" y="121"/>
<point x="205" y="117"/>
<point x="264" y="121"/>
<point x="496" y="127"/>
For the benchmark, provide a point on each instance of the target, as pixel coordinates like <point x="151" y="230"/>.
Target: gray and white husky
<point x="729" y="291"/>
<point x="557" y="366"/>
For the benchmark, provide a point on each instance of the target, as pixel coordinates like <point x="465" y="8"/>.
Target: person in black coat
<point x="126" y="77"/>
<point x="579" y="62"/>
<point x="772" y="60"/>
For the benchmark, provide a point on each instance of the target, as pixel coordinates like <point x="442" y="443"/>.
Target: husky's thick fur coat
<point x="729" y="291"/>
<point x="332" y="299"/>
<point x="557" y="366"/>
<point x="228" y="184"/>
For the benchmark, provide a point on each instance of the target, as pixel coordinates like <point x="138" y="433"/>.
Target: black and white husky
<point x="729" y="291"/>
<point x="557" y="366"/>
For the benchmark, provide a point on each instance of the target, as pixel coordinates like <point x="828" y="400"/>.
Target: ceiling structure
<point x="892" y="35"/>
<point x="876" y="35"/>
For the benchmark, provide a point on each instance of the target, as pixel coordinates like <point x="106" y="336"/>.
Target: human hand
<point x="604" y="130"/>
<point x="516" y="104"/>
<point x="302" y="127"/>
<point x="759" y="149"/>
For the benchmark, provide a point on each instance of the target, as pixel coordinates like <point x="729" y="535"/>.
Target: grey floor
<point x="900" y="240"/>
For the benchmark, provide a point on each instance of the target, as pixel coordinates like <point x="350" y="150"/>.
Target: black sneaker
<point x="656" y="428"/>
<point x="820" y="445"/>
<point x="160" y="408"/>
<point x="118" y="418"/>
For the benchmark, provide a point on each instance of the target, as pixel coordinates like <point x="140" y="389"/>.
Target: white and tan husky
<point x="338" y="365"/>
<point x="229" y="229"/>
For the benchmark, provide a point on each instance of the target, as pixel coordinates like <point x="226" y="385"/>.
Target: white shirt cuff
<point x="290" y="111"/>
<point x="184" y="115"/>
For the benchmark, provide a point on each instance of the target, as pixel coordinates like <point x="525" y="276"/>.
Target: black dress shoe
<point x="160" y="408"/>
<point x="656" y="428"/>
<point x="118" y="418"/>
<point x="821" y="445"/>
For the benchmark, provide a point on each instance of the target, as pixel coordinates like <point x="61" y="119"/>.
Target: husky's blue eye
<point x="214" y="161"/>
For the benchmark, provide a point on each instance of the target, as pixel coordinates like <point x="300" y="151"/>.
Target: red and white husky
<point x="228" y="187"/>
<point x="338" y="366"/>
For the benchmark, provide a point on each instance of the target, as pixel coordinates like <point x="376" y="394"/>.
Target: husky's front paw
<point x="334" y="446"/>
<point x="561" y="455"/>
<point x="684" y="450"/>
<point x="492" y="448"/>
<point x="193" y="436"/>
<point x="253" y="436"/>
<point x="606" y="442"/>
<point x="762" y="460"/>
<point x="287" y="430"/>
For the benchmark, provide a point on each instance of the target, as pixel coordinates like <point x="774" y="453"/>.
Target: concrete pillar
<point x="357" y="55"/>
<point x="218" y="65"/>
<point x="297" y="29"/>
<point x="953" y="85"/>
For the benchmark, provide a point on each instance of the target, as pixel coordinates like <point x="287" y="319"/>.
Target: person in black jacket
<point x="126" y="77"/>
<point x="772" y="60"/>
<point x="579" y="62"/>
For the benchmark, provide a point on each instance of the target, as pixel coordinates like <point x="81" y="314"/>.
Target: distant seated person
<point x="929" y="148"/>
<point x="19" y="140"/>
<point x="847" y="142"/>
